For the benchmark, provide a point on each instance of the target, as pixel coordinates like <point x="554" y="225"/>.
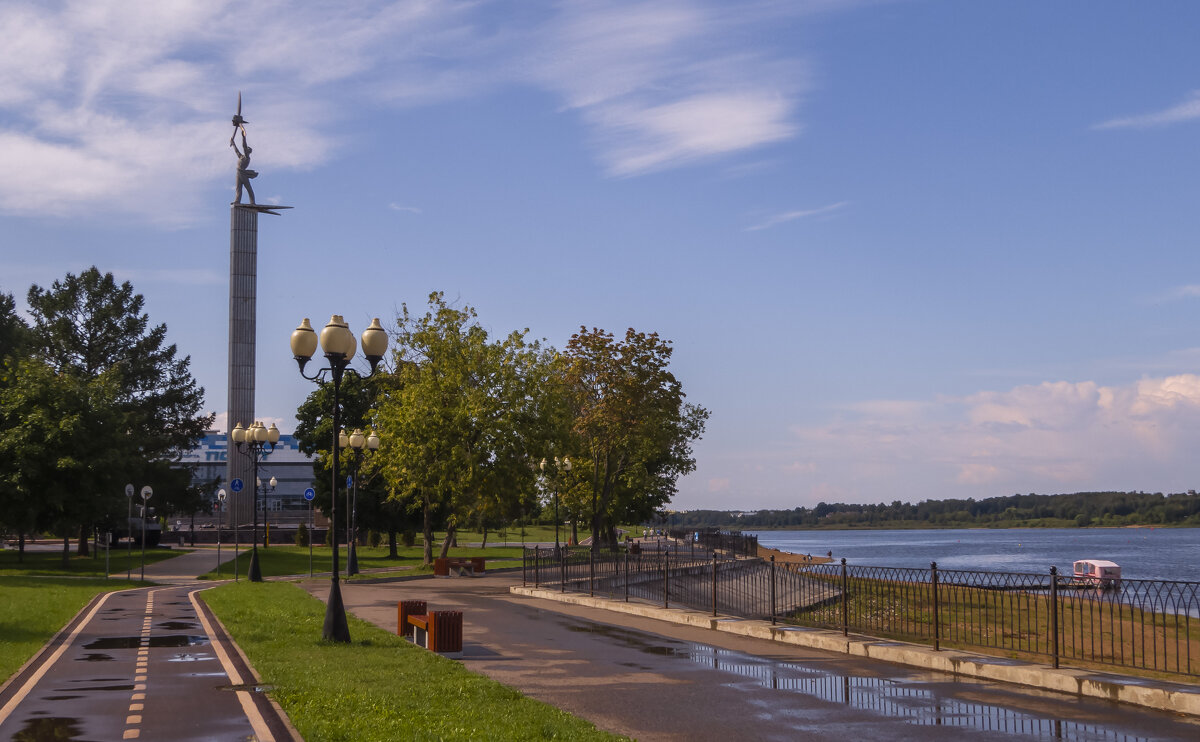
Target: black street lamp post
<point x="564" y="465"/>
<point x="357" y="441"/>
<point x="338" y="344"/>
<point x="268" y="490"/>
<point x="256" y="442"/>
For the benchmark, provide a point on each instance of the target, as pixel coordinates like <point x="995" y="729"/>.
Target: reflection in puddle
<point x="134" y="642"/>
<point x="186" y="657"/>
<point x="94" y="657"/>
<point x="908" y="701"/>
<point x="176" y="625"/>
<point x="55" y="728"/>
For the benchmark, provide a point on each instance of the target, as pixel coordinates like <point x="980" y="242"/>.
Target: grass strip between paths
<point x="279" y="561"/>
<point x="378" y="687"/>
<point x="33" y="609"/>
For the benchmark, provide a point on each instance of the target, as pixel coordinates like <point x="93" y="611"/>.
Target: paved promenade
<point x="655" y="680"/>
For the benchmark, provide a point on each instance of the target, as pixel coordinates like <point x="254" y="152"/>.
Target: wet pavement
<point x="657" y="681"/>
<point x="149" y="664"/>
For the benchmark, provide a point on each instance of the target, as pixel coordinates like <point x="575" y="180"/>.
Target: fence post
<point x="772" y="589"/>
<point x="1054" y="614"/>
<point x="845" y="600"/>
<point x="714" y="583"/>
<point x="562" y="570"/>
<point x="536" y="574"/>
<point x="524" y="558"/>
<point x="627" y="575"/>
<point x="666" y="584"/>
<point x="937" y="612"/>
<point x="592" y="571"/>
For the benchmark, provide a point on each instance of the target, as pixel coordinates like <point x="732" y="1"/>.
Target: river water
<point x="1143" y="553"/>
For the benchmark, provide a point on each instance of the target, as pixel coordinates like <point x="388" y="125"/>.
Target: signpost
<point x="310" y="494"/>
<point x="236" y="485"/>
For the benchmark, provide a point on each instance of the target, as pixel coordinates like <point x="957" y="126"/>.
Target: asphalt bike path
<point x="148" y="663"/>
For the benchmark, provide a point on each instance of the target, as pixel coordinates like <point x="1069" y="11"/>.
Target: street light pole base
<point x="255" y="574"/>
<point x="352" y="561"/>
<point x="335" y="629"/>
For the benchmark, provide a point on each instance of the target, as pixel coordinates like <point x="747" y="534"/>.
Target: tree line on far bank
<point x="1080" y="509"/>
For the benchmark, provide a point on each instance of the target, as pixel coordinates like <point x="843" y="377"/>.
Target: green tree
<point x="88" y="326"/>
<point x="632" y="427"/>
<point x="463" y="419"/>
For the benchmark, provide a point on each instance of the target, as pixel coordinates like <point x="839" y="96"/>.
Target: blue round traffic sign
<point x="236" y="485"/>
<point x="349" y="481"/>
<point x="310" y="494"/>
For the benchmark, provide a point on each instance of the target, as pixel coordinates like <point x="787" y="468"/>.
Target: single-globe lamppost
<point x="338" y="344"/>
<point x="221" y="495"/>
<point x="356" y="441"/>
<point x="564" y="465"/>
<point x="256" y="442"/>
<point x="268" y="490"/>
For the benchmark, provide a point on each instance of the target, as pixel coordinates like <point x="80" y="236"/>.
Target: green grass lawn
<point x="278" y="561"/>
<point x="33" y="609"/>
<point x="379" y="687"/>
<point x="50" y="562"/>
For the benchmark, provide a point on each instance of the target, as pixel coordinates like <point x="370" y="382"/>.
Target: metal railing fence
<point x="1150" y="625"/>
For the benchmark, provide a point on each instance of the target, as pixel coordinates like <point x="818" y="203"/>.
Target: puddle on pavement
<point x="186" y="657"/>
<point x="135" y="642"/>
<point x="912" y="702"/>
<point x="95" y="657"/>
<point x="87" y="688"/>
<point x="49" y="729"/>
<point x="176" y="625"/>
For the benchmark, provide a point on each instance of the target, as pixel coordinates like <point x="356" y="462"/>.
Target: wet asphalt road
<point x="140" y="667"/>
<point x="657" y="681"/>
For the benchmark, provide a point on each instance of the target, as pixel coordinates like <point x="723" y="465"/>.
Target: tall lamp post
<point x="147" y="493"/>
<point x="220" y="522"/>
<point x="565" y="465"/>
<point x="267" y="491"/>
<point x="357" y="441"/>
<point x="255" y="442"/>
<point x="338" y="344"/>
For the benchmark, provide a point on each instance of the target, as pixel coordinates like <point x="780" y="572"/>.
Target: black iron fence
<point x="1150" y="625"/>
<point x="712" y="539"/>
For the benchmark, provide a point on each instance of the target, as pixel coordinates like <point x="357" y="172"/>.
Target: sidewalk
<point x="1160" y="695"/>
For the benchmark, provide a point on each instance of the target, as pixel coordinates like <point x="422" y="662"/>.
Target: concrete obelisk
<point x="243" y="291"/>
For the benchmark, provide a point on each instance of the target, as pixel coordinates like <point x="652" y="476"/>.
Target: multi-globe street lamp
<point x="356" y="441"/>
<point x="256" y="442"/>
<point x="267" y="491"/>
<point x="565" y="465"/>
<point x="338" y="344"/>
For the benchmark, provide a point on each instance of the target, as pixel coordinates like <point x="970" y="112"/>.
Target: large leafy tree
<point x="88" y="327"/>
<point x="314" y="433"/>
<point x="632" y="429"/>
<point x="462" y="420"/>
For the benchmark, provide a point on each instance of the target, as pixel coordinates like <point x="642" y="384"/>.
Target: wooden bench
<point x="404" y="609"/>
<point x="438" y="631"/>
<point x="443" y="565"/>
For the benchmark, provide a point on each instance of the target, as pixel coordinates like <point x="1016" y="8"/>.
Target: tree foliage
<point x="94" y="398"/>
<point x="461" y="420"/>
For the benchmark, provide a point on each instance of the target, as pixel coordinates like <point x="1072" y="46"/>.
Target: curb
<point x="1156" y="694"/>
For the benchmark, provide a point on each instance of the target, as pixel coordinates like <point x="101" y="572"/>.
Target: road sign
<point x="349" y="481"/>
<point x="310" y="494"/>
<point x="147" y="493"/>
<point x="236" y="485"/>
<point x="129" y="490"/>
<point x="221" y="494"/>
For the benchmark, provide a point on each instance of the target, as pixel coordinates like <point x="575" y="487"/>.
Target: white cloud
<point x="1048" y="437"/>
<point x="121" y="107"/>
<point x="409" y="209"/>
<point x="788" y="216"/>
<point x="1188" y="110"/>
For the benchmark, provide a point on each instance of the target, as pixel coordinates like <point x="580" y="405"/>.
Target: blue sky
<point x="906" y="250"/>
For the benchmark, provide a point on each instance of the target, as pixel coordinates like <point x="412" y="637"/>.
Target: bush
<point x="302" y="535"/>
<point x="374" y="538"/>
<point x="408" y="537"/>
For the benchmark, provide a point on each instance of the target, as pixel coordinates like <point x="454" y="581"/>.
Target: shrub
<point x="302" y="535"/>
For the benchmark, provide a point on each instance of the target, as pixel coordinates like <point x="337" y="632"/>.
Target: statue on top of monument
<point x="244" y="173"/>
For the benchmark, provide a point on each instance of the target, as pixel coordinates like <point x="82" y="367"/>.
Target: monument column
<point x="243" y="279"/>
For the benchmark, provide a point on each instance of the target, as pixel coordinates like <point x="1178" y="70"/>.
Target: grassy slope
<point x="379" y="687"/>
<point x="293" y="560"/>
